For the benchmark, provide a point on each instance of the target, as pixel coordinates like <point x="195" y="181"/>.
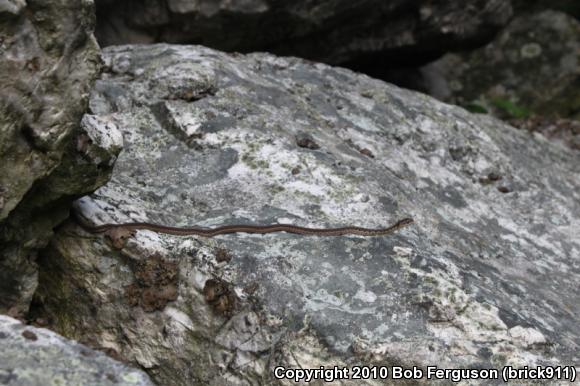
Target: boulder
<point x="48" y="62"/>
<point x="370" y="35"/>
<point x="487" y="276"/>
<point x="530" y="68"/>
<point x="33" y="356"/>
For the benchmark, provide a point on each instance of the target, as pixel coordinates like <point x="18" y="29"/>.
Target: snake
<point x="241" y="228"/>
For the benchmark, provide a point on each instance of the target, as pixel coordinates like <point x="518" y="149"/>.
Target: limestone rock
<point x="48" y="61"/>
<point x="532" y="67"/>
<point x="487" y="277"/>
<point x="368" y="35"/>
<point x="33" y="356"/>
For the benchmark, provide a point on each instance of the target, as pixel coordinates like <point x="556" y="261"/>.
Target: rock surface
<point x="571" y="7"/>
<point x="368" y="35"/>
<point x="533" y="66"/>
<point x="487" y="277"/>
<point x="36" y="357"/>
<point x="48" y="61"/>
<point x="565" y="131"/>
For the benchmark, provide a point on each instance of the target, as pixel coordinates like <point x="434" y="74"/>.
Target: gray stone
<point x="368" y="35"/>
<point x="532" y="67"/>
<point x="487" y="277"/>
<point x="48" y="61"/>
<point x="33" y="356"/>
<point x="13" y="7"/>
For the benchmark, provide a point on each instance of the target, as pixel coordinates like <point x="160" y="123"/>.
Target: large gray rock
<point x="369" y="35"/>
<point x="487" y="277"/>
<point x="36" y="357"/>
<point x="48" y="61"/>
<point x="532" y="67"/>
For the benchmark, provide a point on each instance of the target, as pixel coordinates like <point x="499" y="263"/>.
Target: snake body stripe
<point x="261" y="229"/>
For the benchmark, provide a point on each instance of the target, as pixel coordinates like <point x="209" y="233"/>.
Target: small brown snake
<point x="211" y="232"/>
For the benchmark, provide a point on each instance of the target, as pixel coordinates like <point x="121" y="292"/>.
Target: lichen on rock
<point x="48" y="62"/>
<point x="487" y="276"/>
<point x="36" y="356"/>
